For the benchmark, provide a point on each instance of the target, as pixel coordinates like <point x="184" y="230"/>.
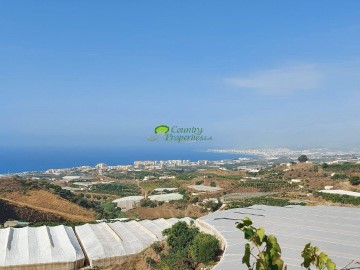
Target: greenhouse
<point x="166" y="197"/>
<point x="40" y="248"/>
<point x="127" y="203"/>
<point x="110" y="243"/>
<point x="335" y="230"/>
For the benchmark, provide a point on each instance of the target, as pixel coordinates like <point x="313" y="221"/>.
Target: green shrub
<point x="188" y="248"/>
<point x="337" y="198"/>
<point x="324" y="165"/>
<point x="147" y="203"/>
<point x="157" y="247"/>
<point x="339" y="176"/>
<point x="180" y="235"/>
<point x="150" y="261"/>
<point x="354" y="180"/>
<point x="205" y="248"/>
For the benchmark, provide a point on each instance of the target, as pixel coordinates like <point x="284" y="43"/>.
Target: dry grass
<point x="165" y="211"/>
<point x="47" y="202"/>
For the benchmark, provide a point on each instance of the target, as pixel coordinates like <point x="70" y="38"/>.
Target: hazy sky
<point x="251" y="73"/>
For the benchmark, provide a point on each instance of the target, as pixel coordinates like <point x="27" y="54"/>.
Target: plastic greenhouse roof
<point x="105" y="243"/>
<point x="335" y="230"/>
<point x="40" y="245"/>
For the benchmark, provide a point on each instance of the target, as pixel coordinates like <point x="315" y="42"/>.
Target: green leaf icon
<point x="162" y="129"/>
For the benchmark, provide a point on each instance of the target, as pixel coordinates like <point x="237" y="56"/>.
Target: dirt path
<point x="143" y="191"/>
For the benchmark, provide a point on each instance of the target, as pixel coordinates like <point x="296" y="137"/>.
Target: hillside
<point x="37" y="204"/>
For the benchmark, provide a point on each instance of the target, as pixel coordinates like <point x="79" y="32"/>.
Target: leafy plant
<point x="180" y="235"/>
<point x="268" y="255"/>
<point x="312" y="256"/>
<point x="187" y="248"/>
<point x="204" y="248"/>
<point x="268" y="251"/>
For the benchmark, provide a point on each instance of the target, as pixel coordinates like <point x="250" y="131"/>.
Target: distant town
<point x="260" y="158"/>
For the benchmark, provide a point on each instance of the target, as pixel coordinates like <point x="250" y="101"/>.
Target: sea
<point x="16" y="160"/>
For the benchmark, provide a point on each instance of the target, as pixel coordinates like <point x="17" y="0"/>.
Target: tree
<point x="303" y="158"/>
<point x="204" y="248"/>
<point x="180" y="235"/>
<point x="187" y="248"/>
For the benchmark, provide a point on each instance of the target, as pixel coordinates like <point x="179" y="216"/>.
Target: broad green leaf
<point x="240" y="225"/>
<point x="249" y="233"/>
<point x="247" y="221"/>
<point x="278" y="264"/>
<point x="273" y="245"/>
<point x="246" y="257"/>
<point x="261" y="233"/>
<point x="330" y="265"/>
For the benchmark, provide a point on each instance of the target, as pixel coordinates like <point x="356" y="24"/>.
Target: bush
<point x="188" y="248"/>
<point x="109" y="210"/>
<point x="354" y="180"/>
<point x="180" y="235"/>
<point x="157" y="247"/>
<point x="205" y="248"/>
<point x="199" y="182"/>
<point x="213" y="184"/>
<point x="213" y="206"/>
<point x="147" y="203"/>
<point x="150" y="261"/>
<point x="337" y="198"/>
<point x="339" y="176"/>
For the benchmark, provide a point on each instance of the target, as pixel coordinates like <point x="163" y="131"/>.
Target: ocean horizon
<point x="34" y="159"/>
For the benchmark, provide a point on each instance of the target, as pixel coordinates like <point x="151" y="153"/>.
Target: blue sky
<point x="251" y="73"/>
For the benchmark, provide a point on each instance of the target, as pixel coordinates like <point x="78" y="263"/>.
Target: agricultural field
<point x="119" y="189"/>
<point x="153" y="184"/>
<point x="260" y="200"/>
